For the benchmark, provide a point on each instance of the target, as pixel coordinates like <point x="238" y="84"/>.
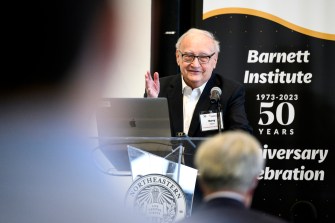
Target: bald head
<point x="199" y="33"/>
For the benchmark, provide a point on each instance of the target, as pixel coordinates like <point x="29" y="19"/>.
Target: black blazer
<point x="227" y="210"/>
<point x="232" y="100"/>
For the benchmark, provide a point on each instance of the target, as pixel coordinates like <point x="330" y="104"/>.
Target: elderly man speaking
<point x="189" y="92"/>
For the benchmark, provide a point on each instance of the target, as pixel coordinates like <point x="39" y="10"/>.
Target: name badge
<point x="209" y="121"/>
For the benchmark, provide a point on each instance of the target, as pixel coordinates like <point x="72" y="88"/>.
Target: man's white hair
<point x="195" y="31"/>
<point x="231" y="160"/>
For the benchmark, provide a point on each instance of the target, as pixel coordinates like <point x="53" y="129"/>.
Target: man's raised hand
<point x="152" y="86"/>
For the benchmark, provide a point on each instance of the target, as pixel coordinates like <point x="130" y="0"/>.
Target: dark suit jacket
<point x="227" y="210"/>
<point x="234" y="115"/>
<point x="232" y="100"/>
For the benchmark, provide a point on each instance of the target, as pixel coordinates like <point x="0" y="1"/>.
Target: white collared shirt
<point x="227" y="194"/>
<point x="190" y="100"/>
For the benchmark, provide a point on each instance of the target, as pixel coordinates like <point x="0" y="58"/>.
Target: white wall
<point x="132" y="60"/>
<point x="133" y="53"/>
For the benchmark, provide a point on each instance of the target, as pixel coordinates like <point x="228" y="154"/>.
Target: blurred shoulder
<point x="232" y="215"/>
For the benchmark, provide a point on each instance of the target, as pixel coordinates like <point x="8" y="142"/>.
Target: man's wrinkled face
<point x="197" y="72"/>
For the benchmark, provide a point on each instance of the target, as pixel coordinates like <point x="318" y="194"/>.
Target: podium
<point x="162" y="183"/>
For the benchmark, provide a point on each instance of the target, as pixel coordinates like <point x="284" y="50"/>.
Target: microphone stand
<point x="219" y="116"/>
<point x="215" y="97"/>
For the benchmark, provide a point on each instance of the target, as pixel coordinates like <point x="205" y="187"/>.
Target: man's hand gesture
<point x="152" y="86"/>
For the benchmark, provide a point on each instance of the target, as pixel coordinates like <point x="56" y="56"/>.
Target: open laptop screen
<point x="119" y="118"/>
<point x="133" y="117"/>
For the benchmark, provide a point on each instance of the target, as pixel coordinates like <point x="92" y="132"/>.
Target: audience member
<point x="56" y="56"/>
<point x="229" y="164"/>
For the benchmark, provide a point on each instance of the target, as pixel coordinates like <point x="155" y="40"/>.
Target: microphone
<point x="215" y="95"/>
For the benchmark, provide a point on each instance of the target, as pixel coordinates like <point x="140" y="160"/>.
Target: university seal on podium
<point x="158" y="197"/>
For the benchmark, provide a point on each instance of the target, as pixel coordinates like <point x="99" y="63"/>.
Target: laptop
<point x="119" y="119"/>
<point x="133" y="117"/>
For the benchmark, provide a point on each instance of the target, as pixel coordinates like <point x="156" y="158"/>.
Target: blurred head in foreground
<point x="56" y="50"/>
<point x="231" y="162"/>
<point x="56" y="57"/>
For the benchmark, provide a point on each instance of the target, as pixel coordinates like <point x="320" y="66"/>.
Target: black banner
<point x="289" y="77"/>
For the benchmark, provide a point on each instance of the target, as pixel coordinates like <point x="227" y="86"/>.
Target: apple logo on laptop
<point x="132" y="123"/>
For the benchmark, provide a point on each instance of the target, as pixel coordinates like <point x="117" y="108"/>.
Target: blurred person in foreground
<point x="56" y="55"/>
<point x="229" y="164"/>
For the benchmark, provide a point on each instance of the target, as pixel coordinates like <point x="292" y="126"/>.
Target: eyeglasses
<point x="189" y="58"/>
